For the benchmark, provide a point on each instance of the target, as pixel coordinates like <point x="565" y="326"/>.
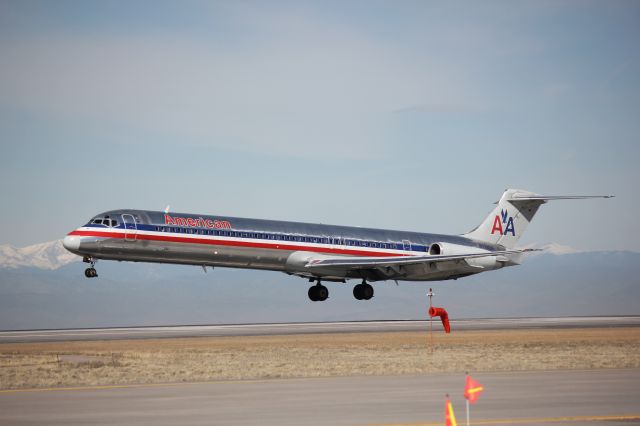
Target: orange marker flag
<point x="449" y="417"/>
<point x="472" y="390"/>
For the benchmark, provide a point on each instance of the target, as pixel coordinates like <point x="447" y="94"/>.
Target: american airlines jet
<point x="312" y="251"/>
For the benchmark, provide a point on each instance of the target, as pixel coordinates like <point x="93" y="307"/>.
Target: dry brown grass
<point x="27" y="365"/>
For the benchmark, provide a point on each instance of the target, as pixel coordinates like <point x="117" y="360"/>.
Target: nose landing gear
<point x="90" y="272"/>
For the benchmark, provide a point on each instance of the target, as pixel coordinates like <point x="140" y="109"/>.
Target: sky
<point x="400" y="115"/>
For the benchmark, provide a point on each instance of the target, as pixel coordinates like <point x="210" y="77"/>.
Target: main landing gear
<point x="90" y="272"/>
<point x="318" y="292"/>
<point x="363" y="291"/>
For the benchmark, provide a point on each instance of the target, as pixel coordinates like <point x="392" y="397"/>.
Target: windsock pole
<point x="430" y="294"/>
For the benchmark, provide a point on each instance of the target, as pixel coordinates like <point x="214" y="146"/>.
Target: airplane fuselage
<point x="153" y="236"/>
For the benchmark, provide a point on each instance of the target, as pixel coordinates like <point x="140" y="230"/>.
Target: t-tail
<point x="515" y="210"/>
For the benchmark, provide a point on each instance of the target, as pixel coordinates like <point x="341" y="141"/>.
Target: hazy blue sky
<point x="407" y="115"/>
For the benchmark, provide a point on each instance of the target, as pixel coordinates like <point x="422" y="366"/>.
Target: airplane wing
<point x="377" y="262"/>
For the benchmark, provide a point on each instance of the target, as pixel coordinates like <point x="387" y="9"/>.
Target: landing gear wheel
<point x="312" y="294"/>
<point x="318" y="293"/>
<point x="363" y="291"/>
<point x="357" y="291"/>
<point x="322" y="292"/>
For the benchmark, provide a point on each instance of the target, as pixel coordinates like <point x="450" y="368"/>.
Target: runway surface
<point x="306" y="328"/>
<point x="596" y="397"/>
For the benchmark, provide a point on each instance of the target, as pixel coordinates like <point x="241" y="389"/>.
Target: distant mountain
<point x="551" y="248"/>
<point x="35" y="294"/>
<point x="50" y="255"/>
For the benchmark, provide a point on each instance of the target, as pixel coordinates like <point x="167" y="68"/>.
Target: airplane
<point x="315" y="252"/>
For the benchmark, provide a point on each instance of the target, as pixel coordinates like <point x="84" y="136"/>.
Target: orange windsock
<point x="472" y="390"/>
<point x="444" y="316"/>
<point x="449" y="417"/>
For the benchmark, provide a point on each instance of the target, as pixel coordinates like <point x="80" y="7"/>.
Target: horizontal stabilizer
<point x="527" y="197"/>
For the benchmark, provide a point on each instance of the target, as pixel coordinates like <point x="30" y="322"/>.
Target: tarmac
<point x="307" y="328"/>
<point x="595" y="397"/>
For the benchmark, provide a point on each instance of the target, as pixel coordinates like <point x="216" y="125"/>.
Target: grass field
<point x="31" y="365"/>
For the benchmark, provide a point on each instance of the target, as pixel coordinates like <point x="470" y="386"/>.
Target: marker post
<point x="467" y="412"/>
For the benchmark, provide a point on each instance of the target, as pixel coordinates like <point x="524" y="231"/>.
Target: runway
<point x="595" y="397"/>
<point x="307" y="328"/>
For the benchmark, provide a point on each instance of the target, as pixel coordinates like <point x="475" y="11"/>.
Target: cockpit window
<point x="105" y="221"/>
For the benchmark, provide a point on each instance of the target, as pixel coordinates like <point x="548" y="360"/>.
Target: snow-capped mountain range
<point x="551" y="248"/>
<point x="50" y="255"/>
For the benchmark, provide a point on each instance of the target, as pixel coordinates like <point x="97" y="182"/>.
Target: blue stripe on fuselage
<point x="258" y="235"/>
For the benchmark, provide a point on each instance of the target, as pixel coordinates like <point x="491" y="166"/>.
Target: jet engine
<point x="448" y="249"/>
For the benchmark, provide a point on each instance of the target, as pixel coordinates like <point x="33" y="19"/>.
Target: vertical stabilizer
<point x="512" y="214"/>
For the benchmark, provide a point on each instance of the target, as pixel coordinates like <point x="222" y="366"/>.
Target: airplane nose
<point x="71" y="242"/>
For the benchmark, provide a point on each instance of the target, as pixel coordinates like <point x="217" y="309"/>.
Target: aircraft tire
<point x="313" y="294"/>
<point x="367" y="291"/>
<point x="357" y="291"/>
<point x="322" y="293"/>
<point x="87" y="273"/>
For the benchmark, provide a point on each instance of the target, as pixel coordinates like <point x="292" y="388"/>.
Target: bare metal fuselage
<point x="148" y="236"/>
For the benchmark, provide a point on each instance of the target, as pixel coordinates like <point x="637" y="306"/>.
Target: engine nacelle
<point x="448" y="249"/>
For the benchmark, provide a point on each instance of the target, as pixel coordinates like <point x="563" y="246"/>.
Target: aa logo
<point x="507" y="221"/>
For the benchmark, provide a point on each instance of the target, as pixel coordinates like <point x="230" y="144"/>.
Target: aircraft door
<point x="406" y="244"/>
<point x="130" y="227"/>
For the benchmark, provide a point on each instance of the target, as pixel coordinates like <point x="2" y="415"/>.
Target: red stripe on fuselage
<point x="274" y="246"/>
